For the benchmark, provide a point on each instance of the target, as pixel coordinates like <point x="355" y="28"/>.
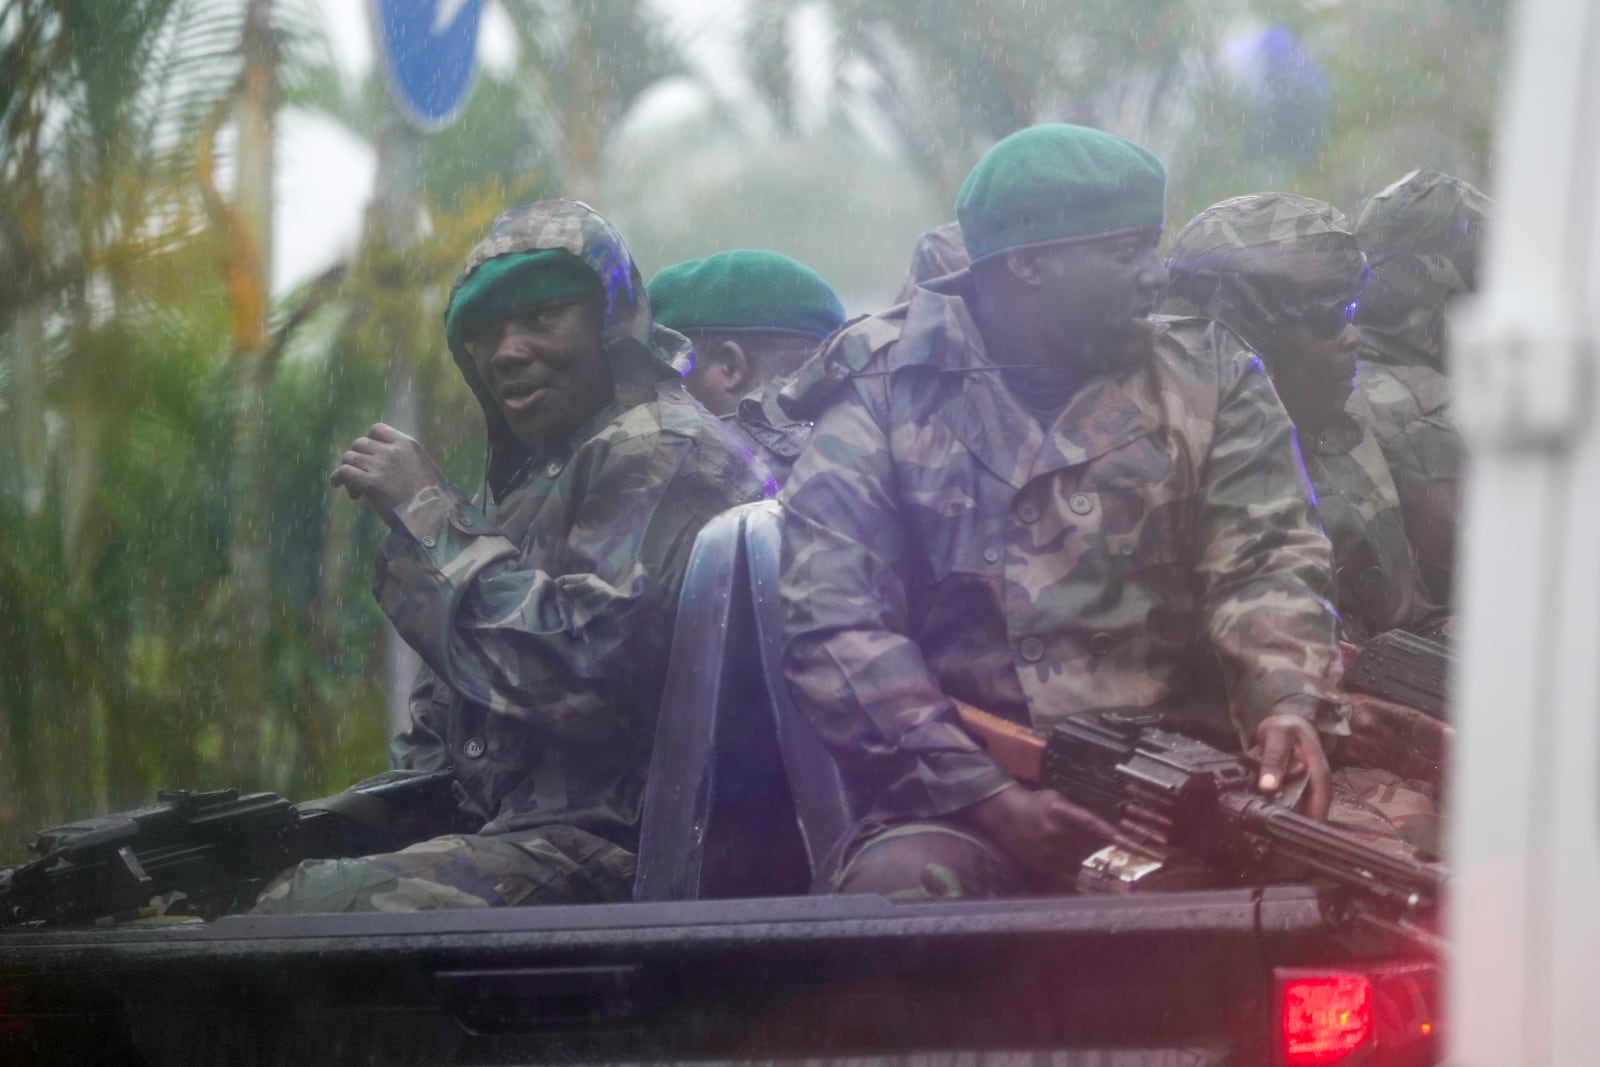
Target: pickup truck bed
<point x="1166" y="978"/>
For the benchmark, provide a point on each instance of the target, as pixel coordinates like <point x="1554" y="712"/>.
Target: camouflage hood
<point x="638" y="353"/>
<point x="1422" y="235"/>
<point x="1253" y="262"/>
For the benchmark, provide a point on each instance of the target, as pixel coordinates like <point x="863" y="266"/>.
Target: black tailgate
<point x="714" y="979"/>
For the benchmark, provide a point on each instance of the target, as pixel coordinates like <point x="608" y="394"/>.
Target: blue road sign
<point x="428" y="47"/>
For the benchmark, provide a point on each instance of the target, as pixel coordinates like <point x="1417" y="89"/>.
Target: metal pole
<point x="398" y="200"/>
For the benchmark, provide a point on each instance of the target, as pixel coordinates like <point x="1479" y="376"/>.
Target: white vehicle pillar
<point x="1524" y="906"/>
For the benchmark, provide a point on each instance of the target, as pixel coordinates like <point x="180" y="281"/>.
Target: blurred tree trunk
<point x="26" y="415"/>
<point x="587" y="115"/>
<point x="77" y="726"/>
<point x="251" y="600"/>
<point x="384" y="308"/>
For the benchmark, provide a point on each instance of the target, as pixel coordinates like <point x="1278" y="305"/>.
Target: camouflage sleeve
<point x="851" y="667"/>
<point x="537" y="646"/>
<point x="1264" y="563"/>
<point x="1426" y="459"/>
<point x="422" y="746"/>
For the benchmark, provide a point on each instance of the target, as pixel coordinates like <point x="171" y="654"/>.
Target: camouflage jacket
<point x="1375" y="574"/>
<point x="1156" y="548"/>
<point x="776" y="438"/>
<point x="1423" y="235"/>
<point x="938" y="252"/>
<point x="1406" y="409"/>
<point x="543" y="610"/>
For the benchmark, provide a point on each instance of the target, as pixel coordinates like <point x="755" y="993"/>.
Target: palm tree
<point x="92" y="195"/>
<point x="951" y="77"/>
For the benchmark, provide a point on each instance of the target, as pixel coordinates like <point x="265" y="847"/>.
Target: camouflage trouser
<point x="1398" y="815"/>
<point x="550" y="865"/>
<point x="925" y="861"/>
<point x="935" y="860"/>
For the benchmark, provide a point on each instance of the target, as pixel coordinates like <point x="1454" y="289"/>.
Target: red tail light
<point x="1325" y="1017"/>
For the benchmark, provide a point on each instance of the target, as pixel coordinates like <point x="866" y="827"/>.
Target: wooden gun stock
<point x="1018" y="750"/>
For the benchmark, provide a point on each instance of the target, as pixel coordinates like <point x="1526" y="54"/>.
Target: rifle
<point x="1403" y="668"/>
<point x="204" y="854"/>
<point x="1193" y="811"/>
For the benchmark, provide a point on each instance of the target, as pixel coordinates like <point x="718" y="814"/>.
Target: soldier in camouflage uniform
<point x="543" y="608"/>
<point x="1024" y="493"/>
<point x="1422" y="237"/>
<point x="754" y="316"/>
<point x="937" y="253"/>
<point x="1284" y="273"/>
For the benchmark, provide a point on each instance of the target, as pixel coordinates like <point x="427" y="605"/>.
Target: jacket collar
<point x="1102" y="416"/>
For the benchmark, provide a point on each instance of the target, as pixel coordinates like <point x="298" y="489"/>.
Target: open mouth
<point x="517" y="395"/>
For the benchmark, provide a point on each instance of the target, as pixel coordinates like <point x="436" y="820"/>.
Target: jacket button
<point x="466" y="520"/>
<point x="991" y="555"/>
<point x="1080" y="504"/>
<point x="1032" y="649"/>
<point x="1127" y="548"/>
<point x="1028" y="512"/>
<point x="554" y="468"/>
<point x="428" y="541"/>
<point x="1100" y="644"/>
<point x="473" y="748"/>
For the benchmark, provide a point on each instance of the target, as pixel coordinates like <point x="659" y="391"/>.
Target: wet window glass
<point x="310" y="468"/>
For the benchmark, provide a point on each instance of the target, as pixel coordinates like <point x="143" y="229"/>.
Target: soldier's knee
<point x="324" y="886"/>
<point x="929" y="861"/>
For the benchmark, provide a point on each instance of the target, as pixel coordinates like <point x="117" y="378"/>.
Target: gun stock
<point x="1018" y="750"/>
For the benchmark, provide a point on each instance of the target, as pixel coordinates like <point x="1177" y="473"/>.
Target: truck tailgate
<point x="1188" y="973"/>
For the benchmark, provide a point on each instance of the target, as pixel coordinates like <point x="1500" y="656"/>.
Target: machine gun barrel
<point x="1407" y="886"/>
<point x="215" y="849"/>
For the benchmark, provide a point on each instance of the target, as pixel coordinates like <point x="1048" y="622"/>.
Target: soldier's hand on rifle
<point x="1288" y="744"/>
<point x="1042" y="831"/>
<point x="384" y="469"/>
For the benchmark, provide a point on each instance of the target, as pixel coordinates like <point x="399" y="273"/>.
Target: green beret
<point x="1056" y="183"/>
<point x="516" y="282"/>
<point x="746" y="289"/>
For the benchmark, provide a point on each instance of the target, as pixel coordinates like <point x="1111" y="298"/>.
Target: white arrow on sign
<point x="446" y="13"/>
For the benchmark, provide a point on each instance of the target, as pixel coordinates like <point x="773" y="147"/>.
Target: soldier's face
<point x="545" y="368"/>
<point x="1098" y="290"/>
<point x="1316" y="372"/>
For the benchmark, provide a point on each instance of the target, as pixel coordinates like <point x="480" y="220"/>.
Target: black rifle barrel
<point x="1343" y="857"/>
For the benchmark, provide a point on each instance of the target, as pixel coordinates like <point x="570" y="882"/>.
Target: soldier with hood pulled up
<point x="938" y="252"/>
<point x="1024" y="493"/>
<point x="542" y="608"/>
<point x="1284" y="273"/>
<point x="1422" y="236"/>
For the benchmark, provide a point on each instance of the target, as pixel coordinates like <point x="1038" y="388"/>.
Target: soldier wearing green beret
<point x="753" y="316"/>
<point x="543" y="606"/>
<point x="1284" y="273"/>
<point x="1025" y="493"/>
<point x="1422" y="236"/>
